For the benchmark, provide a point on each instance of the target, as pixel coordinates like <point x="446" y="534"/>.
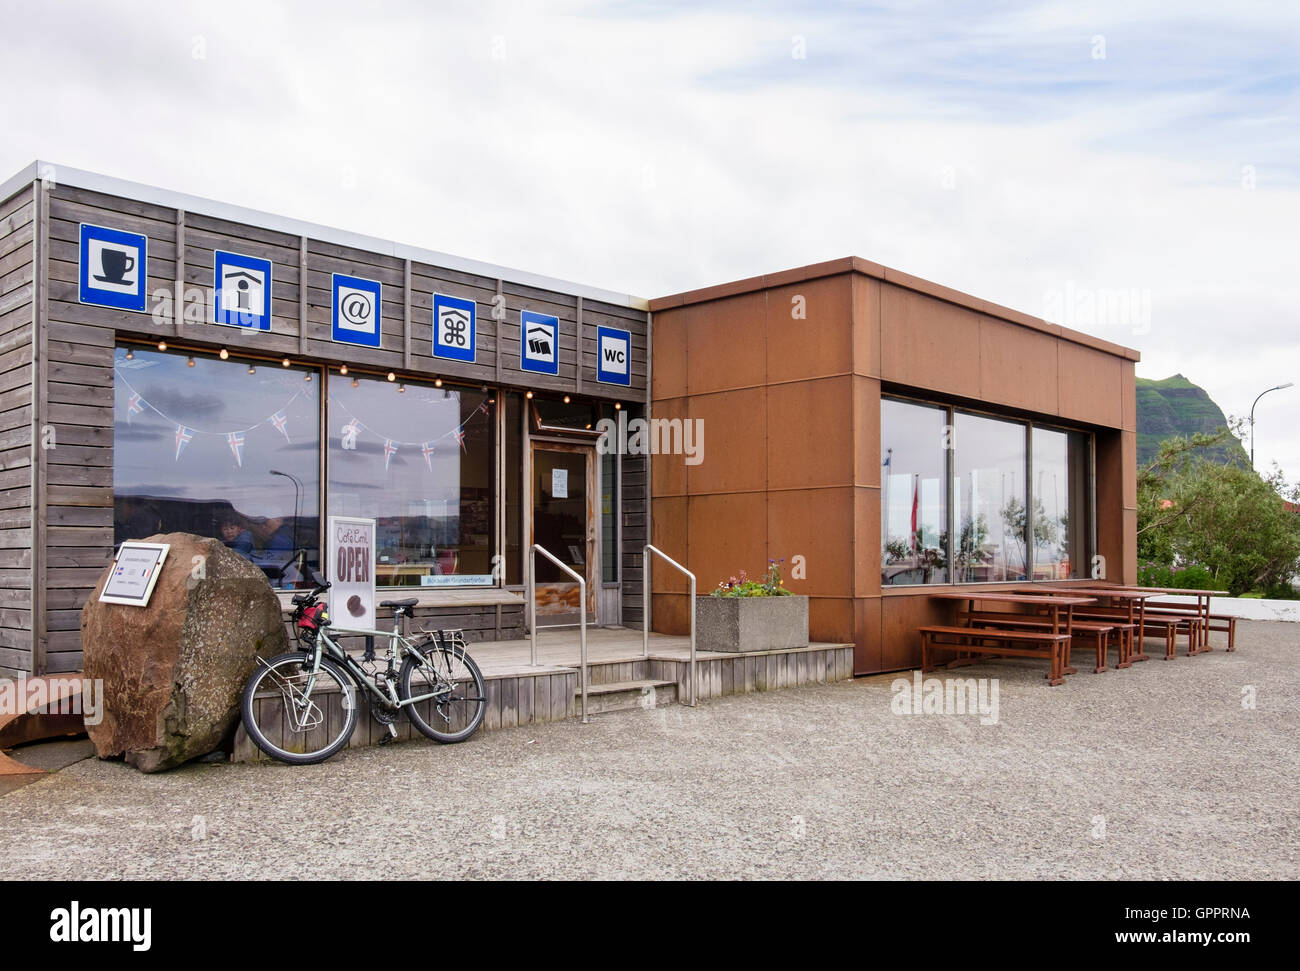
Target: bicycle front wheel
<point x="453" y="697"/>
<point x="295" y="716"/>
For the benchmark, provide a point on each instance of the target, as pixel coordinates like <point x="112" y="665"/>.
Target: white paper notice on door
<point x="559" y="483"/>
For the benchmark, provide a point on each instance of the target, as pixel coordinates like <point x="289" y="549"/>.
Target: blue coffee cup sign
<point x="114" y="268"/>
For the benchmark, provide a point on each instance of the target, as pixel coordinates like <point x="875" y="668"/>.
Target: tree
<point x="1224" y="518"/>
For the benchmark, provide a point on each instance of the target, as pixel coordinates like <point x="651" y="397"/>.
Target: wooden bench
<point x="1016" y="643"/>
<point x="1099" y="630"/>
<point x="1166" y="627"/>
<point x="1192" y="614"/>
<point x="1228" y="626"/>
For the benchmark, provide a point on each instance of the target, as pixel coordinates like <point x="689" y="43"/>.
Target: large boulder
<point x="173" y="671"/>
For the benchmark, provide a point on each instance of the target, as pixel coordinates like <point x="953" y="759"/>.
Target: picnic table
<point x="1131" y="607"/>
<point x="1048" y="637"/>
<point x="1202" y="609"/>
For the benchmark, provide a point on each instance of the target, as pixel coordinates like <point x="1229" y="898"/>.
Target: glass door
<point x="564" y="523"/>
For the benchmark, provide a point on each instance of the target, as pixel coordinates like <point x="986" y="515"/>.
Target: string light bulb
<point x="618" y="406"/>
<point x="130" y="355"/>
<point x="307" y="376"/>
<point x="223" y="354"/>
<point x="252" y="369"/>
<point x="401" y="388"/>
<point x="285" y="362"/>
<point x="528" y="395"/>
<point x="343" y="369"/>
<point x="162" y="345"/>
<point x="355" y="382"/>
<point x="392" y="376"/>
<point x="189" y="361"/>
<point x="566" y="399"/>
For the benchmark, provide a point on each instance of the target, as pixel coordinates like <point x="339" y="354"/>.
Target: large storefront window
<point x="1003" y="528"/>
<point x="229" y="449"/>
<point x="989" y="496"/>
<point x="419" y="460"/>
<point x="914" y="515"/>
<point x="1060" y="487"/>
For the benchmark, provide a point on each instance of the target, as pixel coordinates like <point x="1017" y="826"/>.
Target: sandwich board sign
<point x="135" y="571"/>
<point x="357" y="310"/>
<point x="113" y="268"/>
<point x="351" y="572"/>
<point x="242" y="285"/>
<point x="613" y="356"/>
<point x="539" y="345"/>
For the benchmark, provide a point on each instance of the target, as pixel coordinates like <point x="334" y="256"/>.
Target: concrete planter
<point x="735" y="624"/>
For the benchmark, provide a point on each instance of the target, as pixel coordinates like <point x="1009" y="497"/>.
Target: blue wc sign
<point x="613" y="355"/>
<point x="113" y="268"/>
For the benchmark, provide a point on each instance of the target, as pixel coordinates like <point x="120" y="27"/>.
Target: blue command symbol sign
<point x="613" y="355"/>
<point x="114" y="267"/>
<point x="356" y="310"/>
<point x="453" y="328"/>
<point x="539" y="342"/>
<point x="242" y="285"/>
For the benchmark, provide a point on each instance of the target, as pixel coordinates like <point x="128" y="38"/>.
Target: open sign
<point x="352" y="572"/>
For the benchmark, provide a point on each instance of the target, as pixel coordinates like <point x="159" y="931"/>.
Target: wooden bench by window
<point x="1016" y="643"/>
<point x="1100" y="631"/>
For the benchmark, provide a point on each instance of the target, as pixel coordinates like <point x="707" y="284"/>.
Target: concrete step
<point x="628" y="695"/>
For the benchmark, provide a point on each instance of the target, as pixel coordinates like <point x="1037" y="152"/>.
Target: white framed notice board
<point x="135" y="571"/>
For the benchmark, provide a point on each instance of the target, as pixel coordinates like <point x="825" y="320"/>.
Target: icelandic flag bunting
<point x="281" y="422"/>
<point x="427" y="450"/>
<point x="236" y="442"/>
<point x="460" y="439"/>
<point x="133" y="407"/>
<point x="183" y="438"/>
<point x="390" y="449"/>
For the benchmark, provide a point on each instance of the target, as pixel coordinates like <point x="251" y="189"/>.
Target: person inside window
<point x="238" y="538"/>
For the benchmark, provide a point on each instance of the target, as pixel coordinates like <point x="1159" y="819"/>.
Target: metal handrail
<point x="645" y="610"/>
<point x="582" y="611"/>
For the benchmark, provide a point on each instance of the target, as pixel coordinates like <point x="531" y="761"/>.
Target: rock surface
<point x="173" y="671"/>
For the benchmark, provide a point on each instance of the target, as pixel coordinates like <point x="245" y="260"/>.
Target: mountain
<point x="1176" y="406"/>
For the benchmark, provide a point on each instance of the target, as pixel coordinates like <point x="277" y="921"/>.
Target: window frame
<point x="951" y="411"/>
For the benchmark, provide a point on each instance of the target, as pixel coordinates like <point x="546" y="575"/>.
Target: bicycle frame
<point x="398" y="647"/>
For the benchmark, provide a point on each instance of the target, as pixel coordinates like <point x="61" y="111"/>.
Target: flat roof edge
<point x="856" y="264"/>
<point x="170" y="199"/>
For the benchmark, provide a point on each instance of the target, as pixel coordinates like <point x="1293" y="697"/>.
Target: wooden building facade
<point x="78" y="405"/>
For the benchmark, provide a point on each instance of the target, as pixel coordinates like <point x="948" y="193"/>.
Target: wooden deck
<point x="620" y="678"/>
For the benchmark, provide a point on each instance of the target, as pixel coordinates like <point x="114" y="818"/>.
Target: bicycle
<point x="301" y="707"/>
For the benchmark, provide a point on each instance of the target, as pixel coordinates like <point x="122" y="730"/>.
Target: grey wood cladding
<point x="18" y="260"/>
<point x="54" y="541"/>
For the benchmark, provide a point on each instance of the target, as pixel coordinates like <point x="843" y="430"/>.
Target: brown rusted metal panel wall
<point x="791" y="408"/>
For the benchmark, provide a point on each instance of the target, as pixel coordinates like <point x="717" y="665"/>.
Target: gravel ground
<point x="1156" y="772"/>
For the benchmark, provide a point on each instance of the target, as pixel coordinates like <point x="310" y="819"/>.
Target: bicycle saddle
<point x="400" y="604"/>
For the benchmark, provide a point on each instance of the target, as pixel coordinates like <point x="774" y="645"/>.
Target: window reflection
<point x="989" y="498"/>
<point x="1060" y="491"/>
<point x="228" y="449"/>
<point x="420" y="463"/>
<point x="914" y="519"/>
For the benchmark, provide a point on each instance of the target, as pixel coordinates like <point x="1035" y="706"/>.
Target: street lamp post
<point x="1252" y="418"/>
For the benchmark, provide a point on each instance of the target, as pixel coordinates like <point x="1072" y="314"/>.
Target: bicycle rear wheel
<point x="294" y="717"/>
<point x="451" y="686"/>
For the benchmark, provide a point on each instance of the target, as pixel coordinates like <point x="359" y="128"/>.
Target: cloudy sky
<point x="1141" y="158"/>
